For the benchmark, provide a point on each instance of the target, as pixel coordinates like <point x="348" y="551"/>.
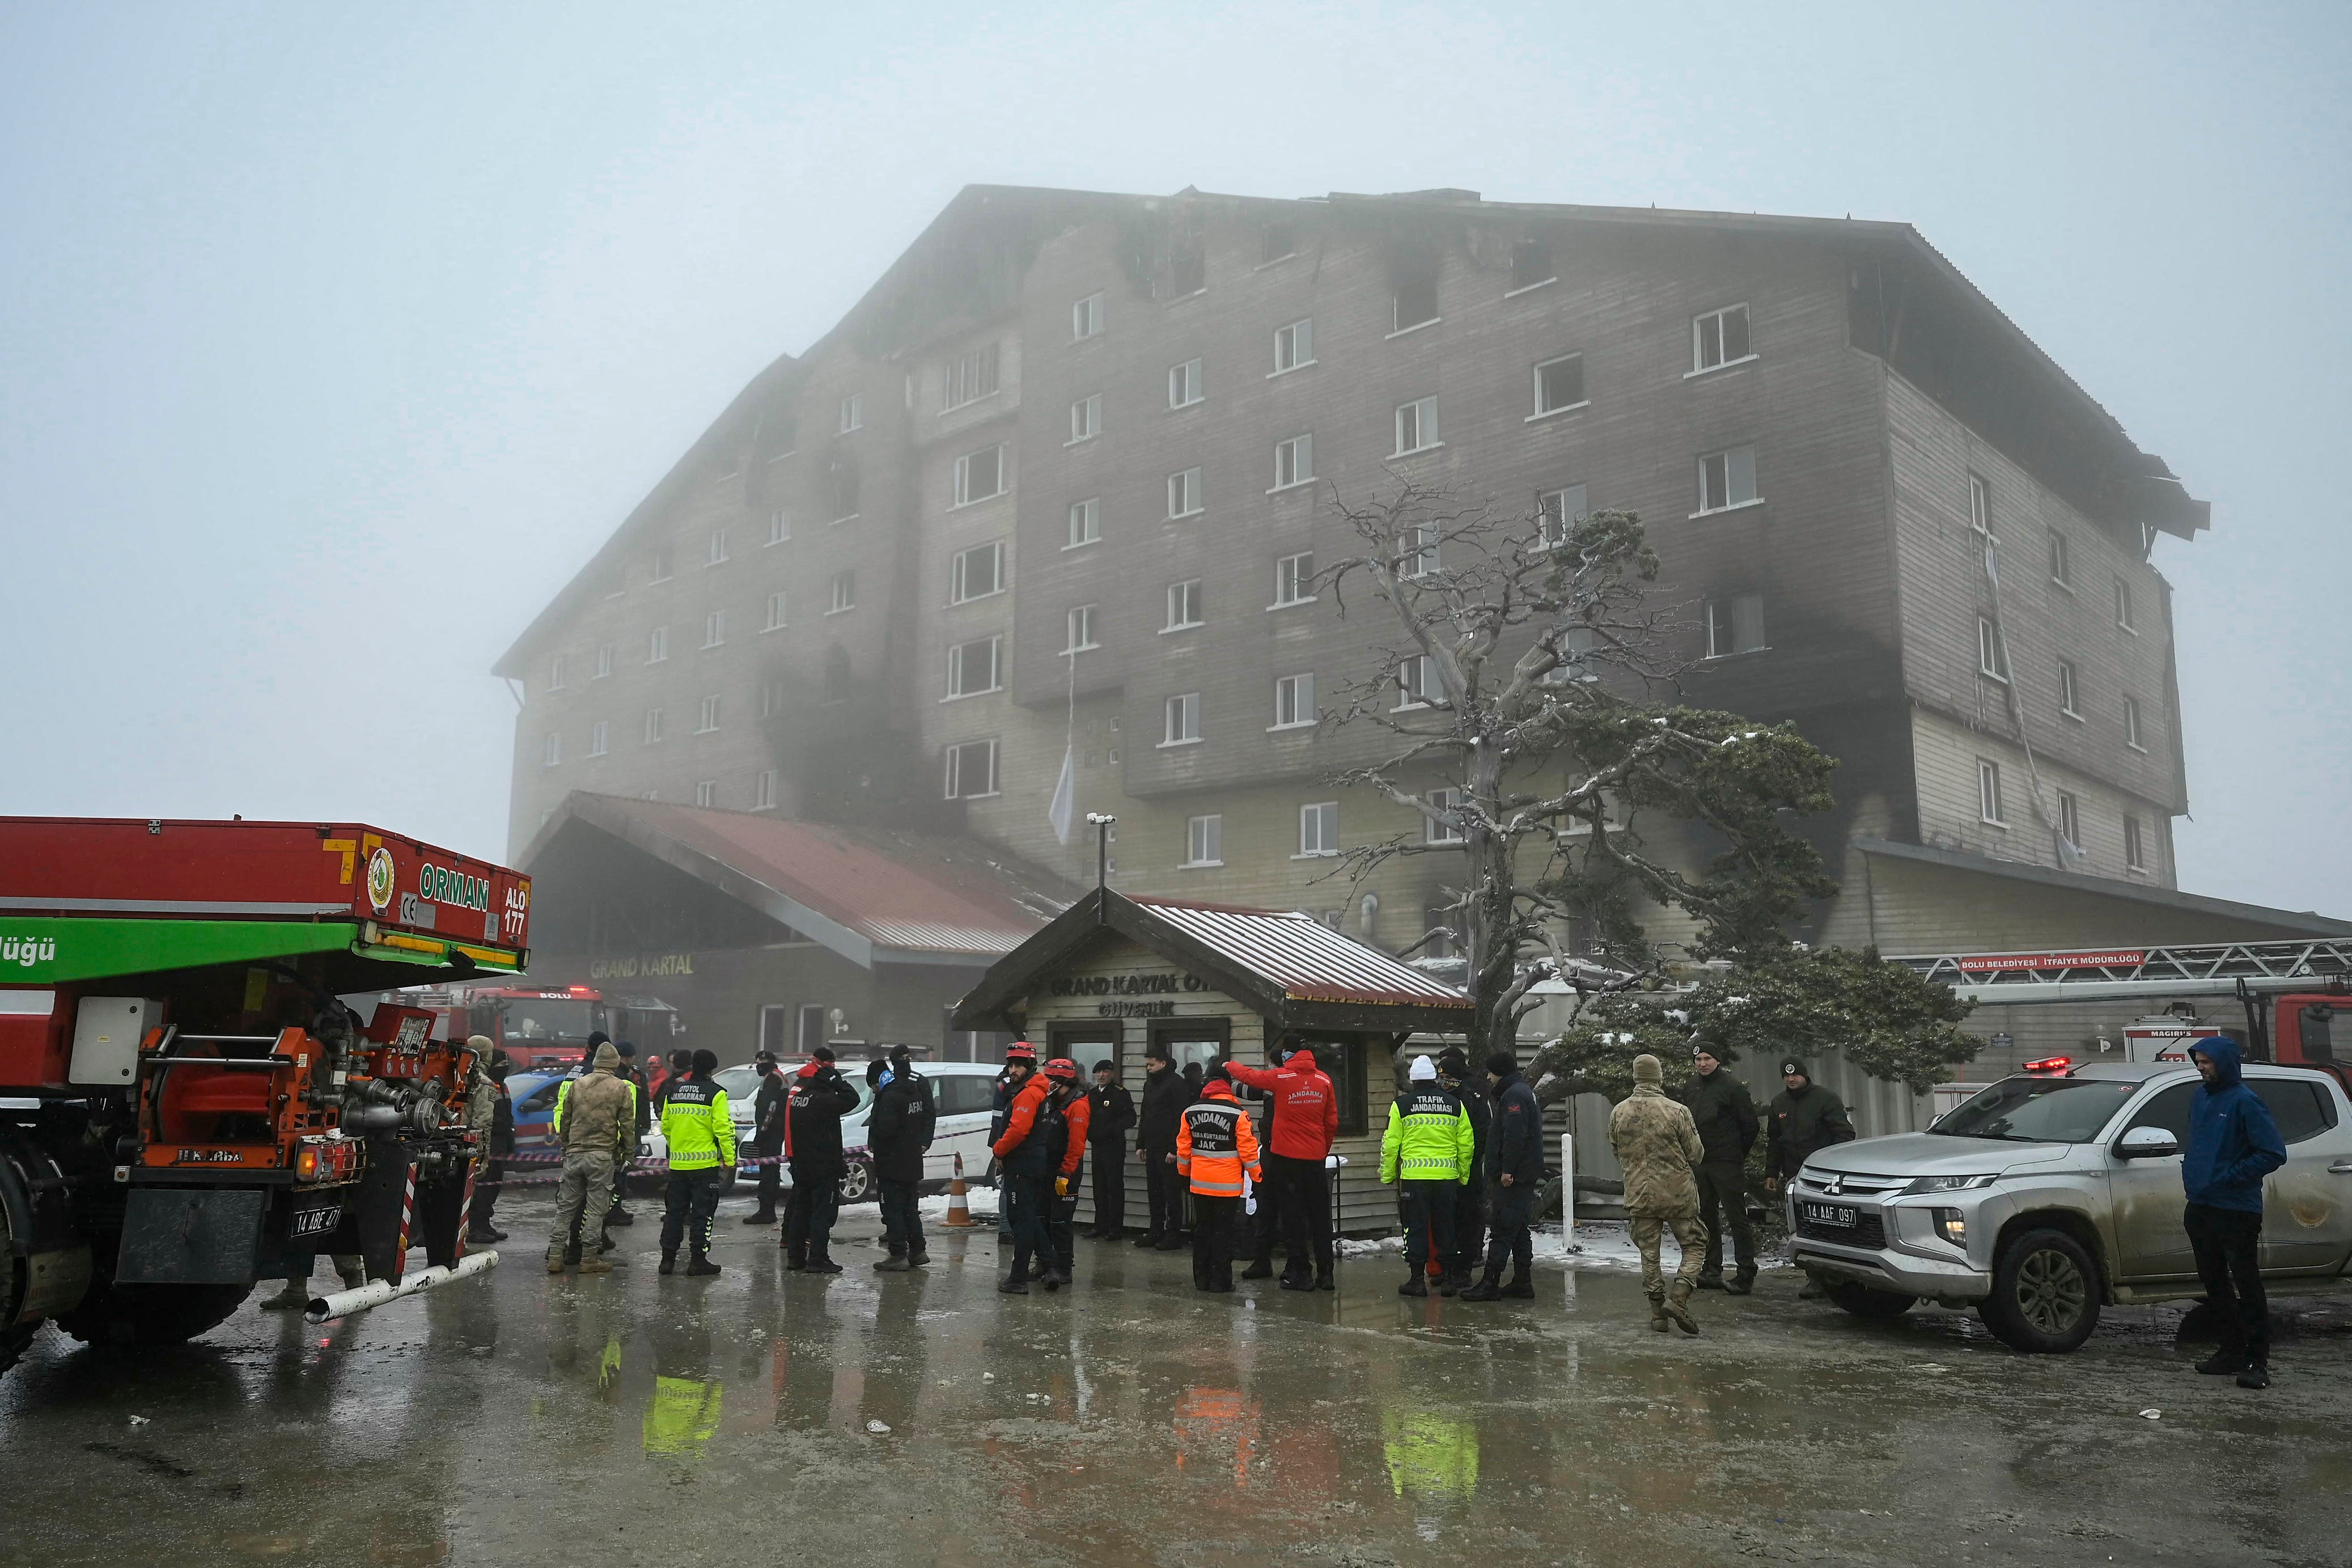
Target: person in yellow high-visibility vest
<point x="700" y="1132"/>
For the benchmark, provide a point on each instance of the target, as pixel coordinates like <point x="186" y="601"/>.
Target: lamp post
<point x="1102" y="824"/>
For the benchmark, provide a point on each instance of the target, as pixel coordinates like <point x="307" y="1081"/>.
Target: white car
<point x="965" y="1092"/>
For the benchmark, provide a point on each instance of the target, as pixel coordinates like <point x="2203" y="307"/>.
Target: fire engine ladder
<point x="2138" y="973"/>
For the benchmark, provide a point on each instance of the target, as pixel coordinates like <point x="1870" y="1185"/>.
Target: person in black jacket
<point x="1166" y="1093"/>
<point x="817" y="1099"/>
<point x="1470" y="1204"/>
<point x="767" y="1135"/>
<point x="1107" y="1122"/>
<point x="501" y="1149"/>
<point x="898" y="1131"/>
<point x="1726" y="1115"/>
<point x="1514" y="1173"/>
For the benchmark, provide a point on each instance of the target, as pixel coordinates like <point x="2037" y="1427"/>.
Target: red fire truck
<point x="186" y="1105"/>
<point x="546" y="1029"/>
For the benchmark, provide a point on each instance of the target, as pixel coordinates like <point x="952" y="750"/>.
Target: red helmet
<point x="1020" y="1051"/>
<point x="1061" y="1069"/>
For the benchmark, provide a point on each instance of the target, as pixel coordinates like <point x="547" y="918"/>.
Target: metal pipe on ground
<point x="376" y="1292"/>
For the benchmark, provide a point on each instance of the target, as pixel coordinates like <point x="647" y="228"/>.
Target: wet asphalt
<point x="764" y="1417"/>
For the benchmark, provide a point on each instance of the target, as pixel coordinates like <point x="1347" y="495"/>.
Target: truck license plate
<point x="316" y="1222"/>
<point x="1844" y="1216"/>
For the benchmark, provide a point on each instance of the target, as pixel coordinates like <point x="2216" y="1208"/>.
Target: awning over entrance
<point x="1288" y="968"/>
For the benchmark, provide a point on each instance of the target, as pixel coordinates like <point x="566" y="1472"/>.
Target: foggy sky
<point x="334" y="338"/>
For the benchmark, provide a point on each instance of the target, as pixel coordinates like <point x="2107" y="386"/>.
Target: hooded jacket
<point x="1166" y="1093"/>
<point x="1306" y="1108"/>
<point x="1515" y="1146"/>
<point x="1803" y="1123"/>
<point x="899" y="1127"/>
<point x="2233" y="1142"/>
<point x="1216" y="1143"/>
<point x="813" y="1106"/>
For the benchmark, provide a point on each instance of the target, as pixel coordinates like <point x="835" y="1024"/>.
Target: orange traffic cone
<point x="959" y="1209"/>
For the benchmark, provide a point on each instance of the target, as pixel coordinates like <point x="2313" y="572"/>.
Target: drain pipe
<point x="376" y="1292"/>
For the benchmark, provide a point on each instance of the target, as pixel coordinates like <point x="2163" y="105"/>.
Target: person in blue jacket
<point x="2233" y="1145"/>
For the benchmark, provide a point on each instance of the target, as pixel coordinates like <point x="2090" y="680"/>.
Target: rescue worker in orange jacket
<point x="1216" y="1146"/>
<point x="1025" y="1163"/>
<point x="1068" y="1096"/>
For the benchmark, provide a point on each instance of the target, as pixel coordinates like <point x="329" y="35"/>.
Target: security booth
<point x="1115" y="974"/>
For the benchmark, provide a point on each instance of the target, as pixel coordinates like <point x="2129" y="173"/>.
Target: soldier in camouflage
<point x="1657" y="1143"/>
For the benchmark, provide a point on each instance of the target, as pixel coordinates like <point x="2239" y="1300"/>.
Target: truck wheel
<point x="126" y="1316"/>
<point x="2045" y="1294"/>
<point x="858" y="1182"/>
<point x="1864" y="1302"/>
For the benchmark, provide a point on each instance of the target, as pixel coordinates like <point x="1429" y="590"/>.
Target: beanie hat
<point x="1452" y="1062"/>
<point x="1502" y="1062"/>
<point x="1698" y="1050"/>
<point x="823" y="1053"/>
<point x="1422" y="1070"/>
<point x="607" y="1058"/>
<point x="628" y="1048"/>
<point x="1793" y="1067"/>
<point x="1217" y="1074"/>
<point x="706" y="1061"/>
<point x="1647" y="1069"/>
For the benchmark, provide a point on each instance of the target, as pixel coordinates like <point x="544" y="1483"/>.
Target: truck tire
<point x="1864" y="1302"/>
<point x="2045" y="1294"/>
<point x="131" y="1316"/>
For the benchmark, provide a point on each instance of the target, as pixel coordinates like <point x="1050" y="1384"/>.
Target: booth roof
<point x="1307" y="959"/>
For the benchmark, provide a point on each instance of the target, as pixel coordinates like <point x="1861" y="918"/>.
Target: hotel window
<point x="843" y="475"/>
<point x="1992" y="659"/>
<point x="1416" y="427"/>
<point x="1988" y="792"/>
<point x="1560" y="511"/>
<point x="1079" y="631"/>
<point x="844" y="592"/>
<point x="661" y="567"/>
<point x="1416" y="552"/>
<point x="763" y="790"/>
<point x="1735" y="625"/>
<point x="968" y="378"/>
<point x="1294" y="461"/>
<point x="1086" y="522"/>
<point x="2123" y="605"/>
<point x="1188" y="270"/>
<point x="2070" y="694"/>
<point x="2070" y="820"/>
<point x="976" y="573"/>
<point x="1318" y="828"/>
<point x="979" y="475"/>
<point x="1086" y="424"/>
<point x="1560" y="383"/>
<point x="718" y="552"/>
<point x="1204" y="840"/>
<point x="1180" y="721"/>
<point x="2132" y="736"/>
<point x="550" y="751"/>
<point x="1087" y="317"/>
<point x="852" y="412"/>
<point x="1414" y="304"/>
<point x="653" y="725"/>
<point x="972" y="667"/>
<point x="1531" y="264"/>
<point x="2135" y="852"/>
<point x="555" y="673"/>
<point x="777" y="618"/>
<point x="1718" y="337"/>
<point x="1294" y="701"/>
<point x="706" y="792"/>
<point x="1445" y="826"/>
<point x="1418" y="683"/>
<point x="1294" y="345"/>
<point x="779" y="525"/>
<point x="1294" y="581"/>
<point x="1184" y="385"/>
<point x="1184" y="605"/>
<point x="971" y="770"/>
<point x="709" y="718"/>
<point x="1276" y="242"/>
<point x="599" y="734"/>
<point x="772" y="698"/>
<point x="2061" y="567"/>
<point x="1727" y="478"/>
<point x="604" y="661"/>
<point x="658" y="645"/>
<point x="1184" y="493"/>
<point x="714" y="629"/>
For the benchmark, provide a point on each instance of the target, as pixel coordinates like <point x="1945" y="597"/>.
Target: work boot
<point x="1149" y="1239"/>
<point x="1678" y="1307"/>
<point x="1324" y="1281"/>
<point x="895" y="1264"/>
<point x="1416" y="1286"/>
<point x="2223" y="1362"/>
<point x="1485" y="1290"/>
<point x="822" y="1266"/>
<point x="795" y="1262"/>
<point x="1814" y="1290"/>
<point x="1659" y="1322"/>
<point x="1013" y="1285"/>
<point x="606" y="1244"/>
<point x="918" y="1259"/>
<point x="668" y="1263"/>
<point x="595" y="1266"/>
<point x="1168" y="1244"/>
<point x="763" y="1217"/>
<point x="555" y="1263"/>
<point x="1261" y="1269"/>
<point x="293" y="1299"/>
<point x="1053" y="1279"/>
<point x="1711" y="1281"/>
<point x="700" y="1266"/>
<point x="2257" y="1375"/>
<point x="484" y="1238"/>
<point x="1520" y="1290"/>
<point x="616" y="1215"/>
<point x="1741" y="1282"/>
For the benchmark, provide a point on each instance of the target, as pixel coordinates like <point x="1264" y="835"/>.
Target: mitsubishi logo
<point x="1836" y="1187"/>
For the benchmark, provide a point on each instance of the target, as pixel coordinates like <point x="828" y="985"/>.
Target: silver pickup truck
<point x="2051" y="1194"/>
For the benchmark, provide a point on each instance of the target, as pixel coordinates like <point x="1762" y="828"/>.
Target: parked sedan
<point x="2051" y="1193"/>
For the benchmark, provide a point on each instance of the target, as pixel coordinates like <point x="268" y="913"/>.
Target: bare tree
<point x="1534" y="681"/>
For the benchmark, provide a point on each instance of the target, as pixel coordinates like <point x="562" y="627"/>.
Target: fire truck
<point x="546" y="1029"/>
<point x="2291" y="1002"/>
<point x="187" y="1106"/>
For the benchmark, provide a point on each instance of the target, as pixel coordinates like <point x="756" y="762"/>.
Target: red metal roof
<point x="1311" y="962"/>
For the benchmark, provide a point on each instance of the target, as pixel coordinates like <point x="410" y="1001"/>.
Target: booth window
<point x="1346" y="1060"/>
<point x="1194" y="1041"/>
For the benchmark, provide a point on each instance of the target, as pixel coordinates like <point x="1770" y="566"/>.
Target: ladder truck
<point x="188" y="1106"/>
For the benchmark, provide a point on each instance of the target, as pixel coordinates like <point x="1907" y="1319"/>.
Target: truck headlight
<point x="1949" y="1185"/>
<point x="1952" y="1226"/>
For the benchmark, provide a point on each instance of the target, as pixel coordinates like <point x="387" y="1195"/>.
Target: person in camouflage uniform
<point x="1657" y="1144"/>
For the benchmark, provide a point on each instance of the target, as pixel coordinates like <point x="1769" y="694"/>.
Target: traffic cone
<point x="959" y="1209"/>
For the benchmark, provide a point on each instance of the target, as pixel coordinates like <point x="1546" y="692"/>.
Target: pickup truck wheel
<point x="858" y="1182"/>
<point x="2045" y="1294"/>
<point x="1864" y="1302"/>
<point x="136" y="1315"/>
